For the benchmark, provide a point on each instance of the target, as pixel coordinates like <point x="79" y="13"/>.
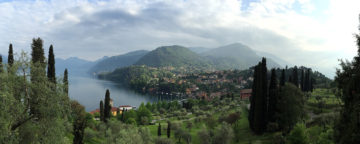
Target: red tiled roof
<point x="94" y="111"/>
<point x="246" y="91"/>
<point x="114" y="109"/>
<point x="125" y="106"/>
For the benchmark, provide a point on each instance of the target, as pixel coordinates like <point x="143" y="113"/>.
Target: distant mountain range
<point x="233" y="56"/>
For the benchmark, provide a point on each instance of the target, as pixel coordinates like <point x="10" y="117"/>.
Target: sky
<point x="313" y="33"/>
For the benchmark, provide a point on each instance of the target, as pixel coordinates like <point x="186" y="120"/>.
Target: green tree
<point x="282" y="79"/>
<point x="258" y="100"/>
<point x="302" y="83"/>
<point x="51" y="65"/>
<point x="79" y="122"/>
<point x="1" y="64"/>
<point x="168" y="132"/>
<point x="273" y="96"/>
<point x="295" y="77"/>
<point x="348" y="82"/>
<point x="101" y="111"/>
<point x="290" y="107"/>
<point x="298" y="135"/>
<point x="107" y="106"/>
<point x="11" y="56"/>
<point x="66" y="82"/>
<point x="224" y="134"/>
<point x="159" y="130"/>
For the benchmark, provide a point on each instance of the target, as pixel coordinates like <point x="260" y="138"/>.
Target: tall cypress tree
<point x="273" y="91"/>
<point x="101" y="111"/>
<point x="168" y="132"/>
<point x="107" y="107"/>
<point x="1" y="64"/>
<point x="159" y="130"/>
<point x="307" y="80"/>
<point x="66" y="82"/>
<point x="38" y="73"/>
<point x="259" y="99"/>
<point x="302" y="80"/>
<point x="295" y="77"/>
<point x="282" y="79"/>
<point x="51" y="65"/>
<point x="11" y="56"/>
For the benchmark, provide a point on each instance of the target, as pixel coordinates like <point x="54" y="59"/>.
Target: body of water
<point x="89" y="91"/>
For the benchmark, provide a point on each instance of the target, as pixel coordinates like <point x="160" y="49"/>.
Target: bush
<point x="161" y="140"/>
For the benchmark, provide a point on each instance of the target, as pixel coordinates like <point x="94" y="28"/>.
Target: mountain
<point x="278" y="60"/>
<point x="75" y="66"/>
<point x="108" y="64"/>
<point x="235" y="56"/>
<point x="199" y="50"/>
<point x="176" y="56"/>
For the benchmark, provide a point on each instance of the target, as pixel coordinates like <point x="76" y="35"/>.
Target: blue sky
<point x="314" y="33"/>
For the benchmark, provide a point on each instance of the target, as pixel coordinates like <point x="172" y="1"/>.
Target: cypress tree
<point x="1" y="64"/>
<point x="101" y="111"/>
<point x="10" y="56"/>
<point x="37" y="72"/>
<point x="107" y="107"/>
<point x="282" y="79"/>
<point x="168" y="132"/>
<point x="123" y="115"/>
<point x="159" y="130"/>
<point x="51" y="65"/>
<point x="66" y="82"/>
<point x="273" y="90"/>
<point x="259" y="99"/>
<point x="302" y="80"/>
<point x="295" y="78"/>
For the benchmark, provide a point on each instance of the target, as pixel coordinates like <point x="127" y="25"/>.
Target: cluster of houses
<point x="114" y="110"/>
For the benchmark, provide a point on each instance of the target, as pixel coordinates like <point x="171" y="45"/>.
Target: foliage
<point x="298" y="135"/>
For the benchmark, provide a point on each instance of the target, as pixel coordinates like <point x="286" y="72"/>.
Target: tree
<point x="298" y="135"/>
<point x="273" y="96"/>
<point x="66" y="82"/>
<point x="51" y="65"/>
<point x="37" y="73"/>
<point x="348" y="82"/>
<point x="107" y="107"/>
<point x="1" y="64"/>
<point x="168" y="132"/>
<point x="307" y="83"/>
<point x="79" y="122"/>
<point x="10" y="56"/>
<point x="258" y="100"/>
<point x="223" y="134"/>
<point x="101" y="111"/>
<point x="302" y="84"/>
<point x="295" y="77"/>
<point x="282" y="79"/>
<point x="123" y="115"/>
<point x="204" y="136"/>
<point x="159" y="130"/>
<point x="290" y="107"/>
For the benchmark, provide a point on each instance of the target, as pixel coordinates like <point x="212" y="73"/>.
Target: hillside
<point x="235" y="56"/>
<point x="176" y="56"/>
<point x="111" y="63"/>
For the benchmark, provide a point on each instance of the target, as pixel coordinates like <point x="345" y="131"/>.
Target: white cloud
<point x="300" y="31"/>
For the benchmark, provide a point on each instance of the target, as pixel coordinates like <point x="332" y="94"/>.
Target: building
<point x="245" y="93"/>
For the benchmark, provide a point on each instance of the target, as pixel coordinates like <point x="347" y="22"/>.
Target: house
<point x="245" y="93"/>
<point x="125" y="107"/>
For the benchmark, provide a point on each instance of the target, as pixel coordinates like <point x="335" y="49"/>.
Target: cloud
<point x="303" y="32"/>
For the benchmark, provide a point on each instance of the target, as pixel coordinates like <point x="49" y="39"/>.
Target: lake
<point x="89" y="91"/>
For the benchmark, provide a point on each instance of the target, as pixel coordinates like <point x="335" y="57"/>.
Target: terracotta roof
<point x="125" y="106"/>
<point x="246" y="91"/>
<point x="114" y="109"/>
<point x="94" y="111"/>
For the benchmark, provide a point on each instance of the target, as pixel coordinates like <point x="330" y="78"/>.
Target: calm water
<point x="89" y="91"/>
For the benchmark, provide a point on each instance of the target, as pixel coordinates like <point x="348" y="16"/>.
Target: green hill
<point x="119" y="61"/>
<point x="235" y="56"/>
<point x="175" y="56"/>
